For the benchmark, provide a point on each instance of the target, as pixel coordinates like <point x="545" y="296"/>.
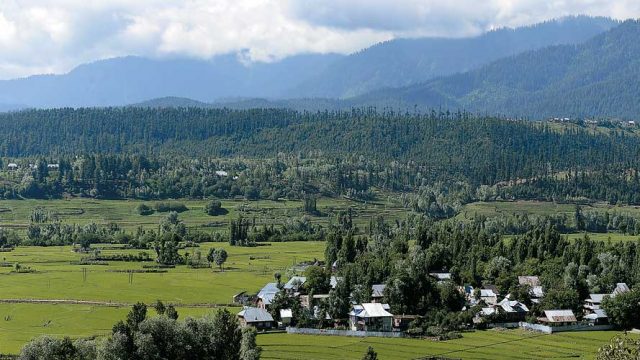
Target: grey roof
<point x="529" y="280"/>
<point x="512" y="306"/>
<point x="377" y="290"/>
<point x="596" y="298"/>
<point x="537" y="291"/>
<point x="295" y="282"/>
<point x="597" y="314"/>
<point x="441" y="276"/>
<point x="252" y="314"/>
<point x="620" y="289"/>
<point x="268" y="292"/>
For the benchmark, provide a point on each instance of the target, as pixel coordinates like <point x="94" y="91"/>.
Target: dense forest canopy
<point x="270" y="153"/>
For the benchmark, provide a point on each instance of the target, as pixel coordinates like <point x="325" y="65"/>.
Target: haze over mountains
<point x="576" y="66"/>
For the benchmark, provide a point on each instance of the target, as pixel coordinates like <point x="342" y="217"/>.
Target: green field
<point x="486" y="345"/>
<point x="491" y="209"/>
<point x="16" y="214"/>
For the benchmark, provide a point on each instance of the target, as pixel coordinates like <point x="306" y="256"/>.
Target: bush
<point x="144" y="210"/>
<point x="168" y="206"/>
<point x="214" y="208"/>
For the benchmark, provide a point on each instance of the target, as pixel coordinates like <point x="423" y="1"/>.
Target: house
<point x="595" y="300"/>
<point x="441" y="276"/>
<point x="305" y="302"/>
<point x="256" y="317"/>
<point x="558" y="318"/>
<point x="377" y="293"/>
<point x="286" y="315"/>
<point x="529" y="280"/>
<point x="53" y="166"/>
<point x="620" y="289"/>
<point x="371" y="317"/>
<point x="266" y="295"/>
<point x="295" y="284"/>
<point x="241" y="298"/>
<point x="512" y="310"/>
<point x="598" y="317"/>
<point x="12" y="166"/>
<point x="222" y="173"/>
<point x="537" y="293"/>
<point x="489" y="296"/>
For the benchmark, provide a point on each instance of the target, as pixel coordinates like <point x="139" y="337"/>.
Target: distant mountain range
<point x="599" y="78"/>
<point x="315" y="78"/>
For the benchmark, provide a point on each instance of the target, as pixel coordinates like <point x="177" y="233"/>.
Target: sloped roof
<point x="597" y="314"/>
<point x="537" y="291"/>
<point x="371" y="310"/>
<point x="596" y="298"/>
<point x="529" y="280"/>
<point x="620" y="289"/>
<point x="487" y="293"/>
<point x="252" y="314"/>
<point x="512" y="306"/>
<point x="441" y="276"/>
<point x="334" y="281"/>
<point x="268" y="292"/>
<point x="377" y="290"/>
<point x="294" y="282"/>
<point x="560" y="316"/>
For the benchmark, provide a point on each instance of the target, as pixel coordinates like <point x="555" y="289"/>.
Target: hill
<point x="404" y="62"/>
<point x="130" y="80"/>
<point x="595" y="79"/>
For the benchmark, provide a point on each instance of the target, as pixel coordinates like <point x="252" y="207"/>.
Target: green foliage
<point x="144" y="210"/>
<point x="620" y="348"/>
<point x="624" y="309"/>
<point x="318" y="280"/>
<point x="370" y="354"/>
<point x="214" y="208"/>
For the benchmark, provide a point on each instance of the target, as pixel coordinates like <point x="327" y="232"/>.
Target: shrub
<point x="144" y="210"/>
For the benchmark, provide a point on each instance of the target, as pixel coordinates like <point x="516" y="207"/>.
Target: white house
<point x="371" y="317"/>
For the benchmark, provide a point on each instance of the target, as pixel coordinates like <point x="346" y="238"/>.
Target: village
<point x="374" y="318"/>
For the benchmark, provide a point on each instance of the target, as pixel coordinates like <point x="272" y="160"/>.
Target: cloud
<point x="39" y="36"/>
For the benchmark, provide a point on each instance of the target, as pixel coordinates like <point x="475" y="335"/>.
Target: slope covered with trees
<point x="594" y="79"/>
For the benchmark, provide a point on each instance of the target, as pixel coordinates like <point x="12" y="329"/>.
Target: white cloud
<point x="55" y="35"/>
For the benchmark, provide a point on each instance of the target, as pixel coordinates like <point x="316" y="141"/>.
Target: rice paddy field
<point x="479" y="345"/>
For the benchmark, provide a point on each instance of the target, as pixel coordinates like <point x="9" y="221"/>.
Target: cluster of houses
<point x="14" y="166"/>
<point x="376" y="316"/>
<point x="512" y="310"/>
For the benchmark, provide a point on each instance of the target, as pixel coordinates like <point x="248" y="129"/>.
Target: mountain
<point x="130" y="80"/>
<point x="404" y="62"/>
<point x="598" y="78"/>
<point x="133" y="80"/>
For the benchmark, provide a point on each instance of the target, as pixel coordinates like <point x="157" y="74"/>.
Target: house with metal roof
<point x="371" y="317"/>
<point x="558" y="318"/>
<point x="266" y="295"/>
<point x="256" y="317"/>
<point x="598" y="317"/>
<point x="377" y="292"/>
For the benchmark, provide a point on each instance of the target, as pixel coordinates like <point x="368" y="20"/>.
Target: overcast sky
<point x="53" y="36"/>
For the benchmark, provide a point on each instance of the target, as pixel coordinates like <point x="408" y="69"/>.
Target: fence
<point x="307" y="331"/>
<point x="551" y="329"/>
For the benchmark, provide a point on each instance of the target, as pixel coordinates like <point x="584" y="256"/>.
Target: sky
<point x="53" y="36"/>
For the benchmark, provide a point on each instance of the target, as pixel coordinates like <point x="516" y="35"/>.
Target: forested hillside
<point x="404" y="62"/>
<point x="132" y="152"/>
<point x="594" y="79"/>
